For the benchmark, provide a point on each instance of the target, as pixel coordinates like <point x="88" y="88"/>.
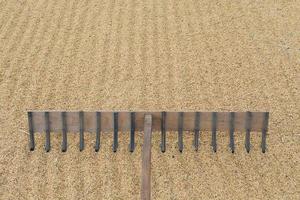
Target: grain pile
<point x="150" y="55"/>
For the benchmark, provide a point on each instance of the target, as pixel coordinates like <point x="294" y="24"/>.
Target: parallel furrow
<point x="5" y="8"/>
<point x="111" y="85"/>
<point x="12" y="46"/>
<point x="63" y="58"/>
<point x="106" y="52"/>
<point x="95" y="29"/>
<point x="8" y="26"/>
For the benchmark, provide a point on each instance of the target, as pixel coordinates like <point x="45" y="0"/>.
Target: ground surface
<point x="150" y="55"/>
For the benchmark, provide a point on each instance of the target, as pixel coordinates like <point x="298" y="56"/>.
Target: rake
<point x="123" y="121"/>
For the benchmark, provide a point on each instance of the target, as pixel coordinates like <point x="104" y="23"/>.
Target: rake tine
<point x="81" y="129"/>
<point x="47" y="128"/>
<point x="31" y="132"/>
<point x="197" y="130"/>
<point x="231" y="131"/>
<point x="180" y="132"/>
<point x="98" y="130"/>
<point x="163" y="132"/>
<point x="264" y="132"/>
<point x="132" y="130"/>
<point x="214" y="131"/>
<point x="116" y="127"/>
<point x="64" y="130"/>
<point x="248" y="130"/>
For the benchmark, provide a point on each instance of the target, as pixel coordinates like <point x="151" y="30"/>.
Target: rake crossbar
<point x="124" y="123"/>
<point x="104" y="121"/>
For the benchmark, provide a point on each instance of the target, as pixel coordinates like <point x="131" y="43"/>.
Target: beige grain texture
<point x="150" y="55"/>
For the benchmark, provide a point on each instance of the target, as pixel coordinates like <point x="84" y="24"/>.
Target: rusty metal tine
<point x="180" y="131"/>
<point x="81" y="130"/>
<point x="248" y="130"/>
<point x="197" y="130"/>
<point x="163" y="131"/>
<point x="132" y="131"/>
<point x="231" y="131"/>
<point x="116" y="129"/>
<point x="214" y="131"/>
<point x="64" y="131"/>
<point x="47" y="128"/>
<point x="264" y="132"/>
<point x="31" y="132"/>
<point x="98" y="130"/>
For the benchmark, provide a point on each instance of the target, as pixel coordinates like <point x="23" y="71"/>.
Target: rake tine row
<point x="164" y="115"/>
<point x="214" y="131"/>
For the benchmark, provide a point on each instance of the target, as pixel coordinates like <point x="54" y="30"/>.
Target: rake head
<point x="104" y="121"/>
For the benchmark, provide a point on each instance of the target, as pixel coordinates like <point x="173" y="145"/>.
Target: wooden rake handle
<point x="146" y="159"/>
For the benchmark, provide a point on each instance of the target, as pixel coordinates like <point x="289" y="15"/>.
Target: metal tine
<point x="163" y="131"/>
<point x="98" y="130"/>
<point x="214" y="131"/>
<point x="47" y="128"/>
<point x="31" y="132"/>
<point x="248" y="130"/>
<point x="197" y="130"/>
<point x="64" y="131"/>
<point x="116" y="129"/>
<point x="132" y="131"/>
<point x="264" y="131"/>
<point x="231" y="131"/>
<point x="180" y="131"/>
<point x="81" y="129"/>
